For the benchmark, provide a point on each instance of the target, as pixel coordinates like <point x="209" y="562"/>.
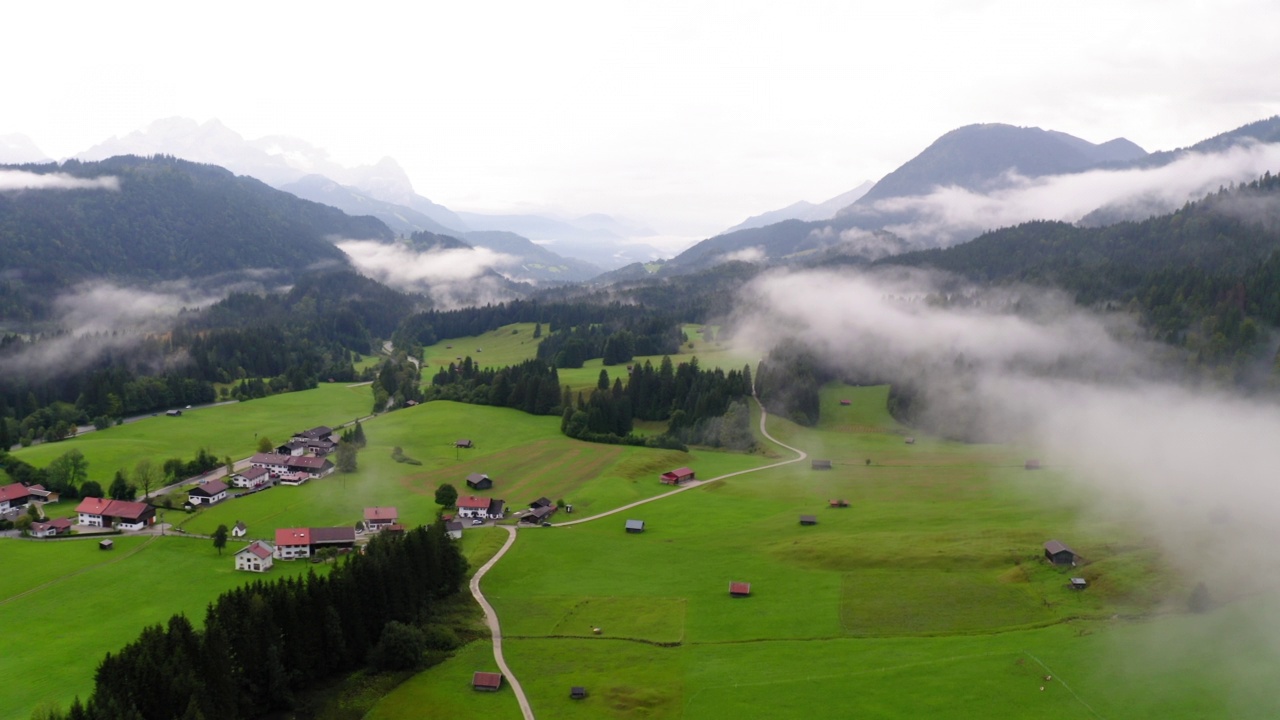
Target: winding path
<point x="491" y="616"/>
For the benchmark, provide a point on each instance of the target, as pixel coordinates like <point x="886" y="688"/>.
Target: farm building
<point x="537" y="516"/>
<point x="53" y="528"/>
<point x="635" y="526"/>
<point x="739" y="589"/>
<point x="1059" y="554"/>
<point x="463" y="444"/>
<point x="173" y="413"/>
<point x="577" y="692"/>
<point x="322" y="432"/>
<point x="839" y="503"/>
<point x="677" y="476"/>
<point x="97" y="512"/>
<point x="316" y="467"/>
<point x="820" y="465"/>
<point x="251" y="478"/>
<point x="292" y="543"/>
<point x="479" y="481"/>
<point x="808" y="519"/>
<point x="274" y="463"/>
<point x="239" y="529"/>
<point x="540" y="503"/>
<point x="379" y="518"/>
<point x="453" y="529"/>
<point x="258" y="556"/>
<point x="1032" y="464"/>
<point x="207" y="494"/>
<point x="14" y="495"/>
<point x="1079" y="583"/>
<point x="478" y="507"/>
<point x="106" y="545"/>
<point x="487" y="681"/>
<point x="39" y="494"/>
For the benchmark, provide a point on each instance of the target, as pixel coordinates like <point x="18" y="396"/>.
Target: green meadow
<point x="508" y="345"/>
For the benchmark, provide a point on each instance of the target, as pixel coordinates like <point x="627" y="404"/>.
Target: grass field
<point x="508" y="345"/>
<point x="223" y="430"/>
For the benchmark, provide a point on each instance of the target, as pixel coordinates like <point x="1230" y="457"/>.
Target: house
<point x="839" y="503"/>
<point x="486" y="681"/>
<point x="39" y="494"/>
<point x="316" y="433"/>
<point x="240" y="529"/>
<point x="472" y="507"/>
<point x="453" y="529"/>
<point x="293" y="448"/>
<point x="537" y="516"/>
<point x="274" y="463"/>
<point x="463" y="444"/>
<point x="808" y="519"/>
<point x="257" y="557"/>
<point x="911" y="441"/>
<point x="577" y="692"/>
<point x="53" y="528"/>
<point x="1032" y="464"/>
<point x="106" y="545"/>
<point x="378" y="518"/>
<point x="677" y="476"/>
<point x="316" y="467"/>
<point x="820" y="465"/>
<point x="294" y="478"/>
<point x="293" y="543"/>
<point x="497" y="509"/>
<point x="1079" y="583"/>
<point x="321" y="447"/>
<point x="251" y="478"/>
<point x="479" y="481"/>
<point x="123" y="515"/>
<point x="1059" y="554"/>
<point x="13" y="496"/>
<point x="739" y="589"/>
<point x="208" y="493"/>
<point x="635" y="526"/>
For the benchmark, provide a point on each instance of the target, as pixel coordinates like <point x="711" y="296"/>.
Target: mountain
<point x="20" y="149"/>
<point x="804" y="210"/>
<point x="978" y="157"/>
<point x="536" y="262"/>
<point x="169" y="219"/>
<point x="403" y="220"/>
<point x="597" y="239"/>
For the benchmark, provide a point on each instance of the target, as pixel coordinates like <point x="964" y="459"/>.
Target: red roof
<point x="259" y="548"/>
<point x="293" y="536"/>
<point x="487" y="680"/>
<point x="16" y="491"/>
<point x="93" y="506"/>
<point x="385" y="514"/>
<point x="252" y="473"/>
<point x="310" y="462"/>
<point x="269" y="459"/>
<point x="471" y="502"/>
<point x="682" y="472"/>
<point x="209" y="489"/>
<point x="739" y="588"/>
<point x="60" y="523"/>
<point x="112" y="508"/>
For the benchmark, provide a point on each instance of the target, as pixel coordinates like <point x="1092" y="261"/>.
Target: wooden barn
<point x="479" y="481"/>
<point x="1059" y="554"/>
<point x="577" y="692"/>
<point x="820" y="465"/>
<point x="463" y="444"/>
<point x="486" y="681"/>
<point x="677" y="476"/>
<point x="808" y="519"/>
<point x="635" y="526"/>
<point x="106" y="545"/>
<point x="739" y="589"/>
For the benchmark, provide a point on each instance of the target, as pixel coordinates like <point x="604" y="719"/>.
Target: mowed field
<point x="926" y="597"/>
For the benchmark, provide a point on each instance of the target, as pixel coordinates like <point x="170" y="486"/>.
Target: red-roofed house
<point x="487" y="681"/>
<point x="378" y="518"/>
<point x="122" y="515"/>
<point x="257" y="557"/>
<point x="14" y="496"/>
<point x="208" y="493"/>
<point x="251" y="478"/>
<point x="61" y="526"/>
<point x="316" y="467"/>
<point x="473" y="507"/>
<point x="292" y="543"/>
<point x="677" y="476"/>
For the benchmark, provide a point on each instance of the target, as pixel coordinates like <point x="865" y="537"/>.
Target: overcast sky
<point x="687" y="116"/>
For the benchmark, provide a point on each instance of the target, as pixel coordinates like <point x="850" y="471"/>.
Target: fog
<point x="1194" y="469"/>
<point x="11" y="180"/>
<point x="451" y="277"/>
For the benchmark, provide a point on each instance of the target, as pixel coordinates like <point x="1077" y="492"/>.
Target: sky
<point x="686" y="116"/>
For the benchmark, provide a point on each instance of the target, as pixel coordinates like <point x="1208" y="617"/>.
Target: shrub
<point x="400" y="647"/>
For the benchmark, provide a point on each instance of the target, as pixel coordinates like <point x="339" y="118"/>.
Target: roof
<point x="252" y="473"/>
<point x="682" y="471"/>
<point x="113" y="508"/>
<point x="259" y="548"/>
<point x="471" y="502"/>
<point x="309" y="462"/>
<point x="270" y="459"/>
<point x="333" y="534"/>
<point x="542" y="511"/>
<point x="476" y="477"/>
<point x="14" y="491"/>
<point x="93" y="506"/>
<point x="381" y="513"/>
<point x="293" y="536"/>
<point x="240" y="525"/>
<point x="1053" y="547"/>
<point x="812" y="519"/>
<point x="323" y="431"/>
<point x="635" y="524"/>
<point x="487" y="680"/>
<point x="60" y="523"/>
<point x="496" y="507"/>
<point x="453" y="525"/>
<point x="740" y="588"/>
<point x="540" y="503"/>
<point x="211" y="488"/>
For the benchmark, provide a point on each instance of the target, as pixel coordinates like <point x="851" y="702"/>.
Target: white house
<point x="208" y="493"/>
<point x="292" y="543"/>
<point x="257" y="557"/>
<point x="251" y="478"/>
<point x="479" y="507"/>
<point x="453" y="529"/>
<point x="13" y="496"/>
<point x="240" y="529"/>
<point x="98" y="512"/>
<point x="274" y="463"/>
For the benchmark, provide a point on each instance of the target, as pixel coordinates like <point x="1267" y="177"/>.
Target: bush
<point x="400" y="647"/>
<point x="439" y="637"/>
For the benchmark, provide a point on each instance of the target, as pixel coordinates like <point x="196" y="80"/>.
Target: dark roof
<point x="542" y="512"/>
<point x="209" y="489"/>
<point x="387" y="514"/>
<point x="540" y="503"/>
<point x="240" y="525"/>
<point x="809" y="519"/>
<point x="477" y="477"/>
<point x="1053" y="547"/>
<point x="635" y="524"/>
<point x="316" y="433"/>
<point x="496" y="506"/>
<point x="453" y="525"/>
<point x="487" y="680"/>
<point x="577" y="691"/>
<point x="310" y="462"/>
<point x="270" y="459"/>
<point x="333" y="534"/>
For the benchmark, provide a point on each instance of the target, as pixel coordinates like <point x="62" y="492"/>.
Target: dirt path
<point x="491" y="616"/>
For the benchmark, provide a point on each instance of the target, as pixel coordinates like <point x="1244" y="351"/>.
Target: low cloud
<point x="11" y="180"/>
<point x="452" y="277"/>
<point x="749" y="255"/>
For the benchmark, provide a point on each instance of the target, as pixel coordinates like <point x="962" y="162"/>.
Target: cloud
<point x="452" y="277"/>
<point x="749" y="255"/>
<point x="952" y="214"/>
<point x="24" y="180"/>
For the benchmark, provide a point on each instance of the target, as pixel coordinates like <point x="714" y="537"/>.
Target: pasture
<point x="508" y="345"/>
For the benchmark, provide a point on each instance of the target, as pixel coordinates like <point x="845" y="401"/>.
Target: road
<point x="491" y="616"/>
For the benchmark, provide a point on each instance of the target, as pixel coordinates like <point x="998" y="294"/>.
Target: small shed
<point x="540" y="503"/>
<point x="1032" y="464"/>
<point x="486" y="681"/>
<point x="635" y="526"/>
<point x="820" y="465"/>
<point x="846" y="402"/>
<point x="911" y="441"/>
<point x="173" y="413"/>
<point x="1079" y="583"/>
<point x="479" y="481"/>
<point x="677" y="476"/>
<point x="577" y="692"/>
<point x="739" y="589"/>
<point x="463" y="444"/>
<point x="839" y="503"/>
<point x="106" y="545"/>
<point x="1059" y="554"/>
<point x="808" y="519"/>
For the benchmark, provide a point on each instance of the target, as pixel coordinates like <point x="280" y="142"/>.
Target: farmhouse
<point x="478" y="507"/>
<point x="453" y="528"/>
<point x="1059" y="554"/>
<point x="820" y="465"/>
<point x="739" y="589"/>
<point x="274" y="463"/>
<point x="463" y="444"/>
<point x="479" y="481"/>
<point x="293" y="448"/>
<point x="487" y="681"/>
<point x="294" y="478"/>
<point x="808" y="519"/>
<point x="316" y="467"/>
<point x="39" y="494"/>
<point x="123" y="515"/>
<point x="677" y="476"/>
<point x="257" y="557"/>
<point x="61" y="526"/>
<point x="379" y="518"/>
<point x="292" y="543"/>
<point x="635" y="526"/>
<point x="208" y="493"/>
<point x="251" y="478"/>
<point x="13" y="496"/>
<point x="537" y="516"/>
<point x="321" y="447"/>
<point x="240" y="529"/>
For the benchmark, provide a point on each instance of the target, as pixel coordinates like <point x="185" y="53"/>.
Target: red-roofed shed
<point x="486" y="681"/>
